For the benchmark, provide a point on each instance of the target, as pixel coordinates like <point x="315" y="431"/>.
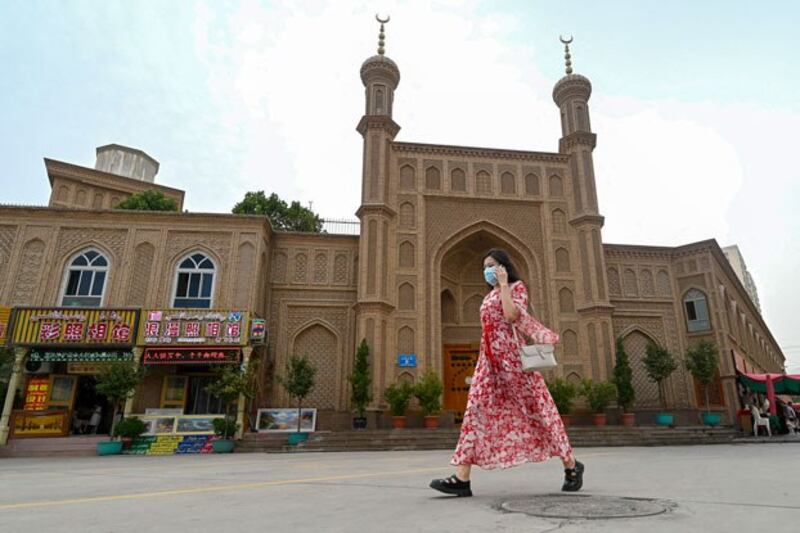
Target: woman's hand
<point x="502" y="275"/>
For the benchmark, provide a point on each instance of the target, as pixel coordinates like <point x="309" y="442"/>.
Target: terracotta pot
<point x="432" y="421"/>
<point x="399" y="422"/>
<point x="628" y="419"/>
<point x="599" y="419"/>
<point x="566" y="420"/>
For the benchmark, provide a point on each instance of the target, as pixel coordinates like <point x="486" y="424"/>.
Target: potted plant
<point x="129" y="429"/>
<point x="702" y="362"/>
<point x="659" y="365"/>
<point x="298" y="382"/>
<point x="623" y="379"/>
<point x="118" y="382"/>
<point x="397" y="395"/>
<point x="429" y="391"/>
<point x="232" y="383"/>
<point x="563" y="393"/>
<point x="598" y="395"/>
<point x="360" y="382"/>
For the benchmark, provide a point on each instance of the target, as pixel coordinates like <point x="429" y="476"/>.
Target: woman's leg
<point x="569" y="462"/>
<point x="462" y="472"/>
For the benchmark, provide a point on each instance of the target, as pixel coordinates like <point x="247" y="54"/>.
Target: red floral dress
<point x="510" y="418"/>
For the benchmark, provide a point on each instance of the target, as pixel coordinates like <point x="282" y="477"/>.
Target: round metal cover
<point x="586" y="506"/>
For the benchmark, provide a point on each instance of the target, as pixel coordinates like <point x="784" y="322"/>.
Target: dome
<point x="572" y="85"/>
<point x="380" y="66"/>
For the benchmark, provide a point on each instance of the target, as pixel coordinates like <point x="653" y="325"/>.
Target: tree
<point x="149" y="200"/>
<point x="563" y="393"/>
<point x="298" y="381"/>
<point x="428" y="391"/>
<point x="233" y="381"/>
<point x="701" y="361"/>
<point x="623" y="378"/>
<point x="659" y="364"/>
<point x="118" y="382"/>
<point x="360" y="395"/>
<point x="284" y="217"/>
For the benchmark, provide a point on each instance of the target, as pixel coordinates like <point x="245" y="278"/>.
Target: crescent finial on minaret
<point x="567" y="56"/>
<point x="382" y="35"/>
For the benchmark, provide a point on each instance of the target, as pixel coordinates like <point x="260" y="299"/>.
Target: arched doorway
<point x="461" y="291"/>
<point x="635" y="344"/>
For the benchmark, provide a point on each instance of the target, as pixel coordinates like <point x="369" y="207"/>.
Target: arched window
<point x="696" y="311"/>
<point x="194" y="284"/>
<point x="85" y="280"/>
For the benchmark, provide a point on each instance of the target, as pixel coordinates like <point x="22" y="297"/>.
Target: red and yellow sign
<point x="5" y="318"/>
<point x="175" y="327"/>
<point x="74" y="327"/>
<point x="36" y="393"/>
<point x="190" y="356"/>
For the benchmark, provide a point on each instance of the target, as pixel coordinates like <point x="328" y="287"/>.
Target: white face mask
<point x="490" y="276"/>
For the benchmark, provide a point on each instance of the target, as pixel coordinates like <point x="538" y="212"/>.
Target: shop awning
<point x="783" y="383"/>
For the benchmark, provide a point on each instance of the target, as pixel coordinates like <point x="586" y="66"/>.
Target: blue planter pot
<point x="222" y="445"/>
<point x="297" y="438"/>
<point x="113" y="447"/>
<point x="711" y="419"/>
<point x="664" y="419"/>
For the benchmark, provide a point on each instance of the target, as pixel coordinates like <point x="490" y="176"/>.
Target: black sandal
<point x="573" y="478"/>
<point x="452" y="485"/>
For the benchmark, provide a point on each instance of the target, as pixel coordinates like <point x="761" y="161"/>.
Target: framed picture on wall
<point x="284" y="420"/>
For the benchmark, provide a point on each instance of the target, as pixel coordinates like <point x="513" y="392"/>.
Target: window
<point x="696" y="311"/>
<point x="86" y="280"/>
<point x="195" y="282"/>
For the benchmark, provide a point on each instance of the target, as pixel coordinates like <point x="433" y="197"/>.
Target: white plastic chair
<point x="758" y="421"/>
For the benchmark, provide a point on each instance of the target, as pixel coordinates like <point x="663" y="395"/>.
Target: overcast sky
<point x="695" y="105"/>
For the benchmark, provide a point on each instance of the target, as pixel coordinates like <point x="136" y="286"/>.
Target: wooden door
<point x="459" y="364"/>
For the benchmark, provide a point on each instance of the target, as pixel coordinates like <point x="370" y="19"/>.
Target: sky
<point x="694" y="105"/>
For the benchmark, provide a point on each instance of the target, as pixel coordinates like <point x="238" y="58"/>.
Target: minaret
<point x="380" y="76"/>
<point x="571" y="94"/>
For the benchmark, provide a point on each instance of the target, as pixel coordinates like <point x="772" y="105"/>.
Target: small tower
<point x="375" y="278"/>
<point x="571" y="94"/>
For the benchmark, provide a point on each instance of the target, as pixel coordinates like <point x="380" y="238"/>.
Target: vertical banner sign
<point x="36" y="393"/>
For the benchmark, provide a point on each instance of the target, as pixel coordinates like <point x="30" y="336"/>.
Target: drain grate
<point x="587" y="506"/>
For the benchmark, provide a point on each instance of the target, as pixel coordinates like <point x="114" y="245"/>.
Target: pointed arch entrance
<point x="460" y="289"/>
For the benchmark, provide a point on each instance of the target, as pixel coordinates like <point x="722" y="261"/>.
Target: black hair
<point x="501" y="256"/>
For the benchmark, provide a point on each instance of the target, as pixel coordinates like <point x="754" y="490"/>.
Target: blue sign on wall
<point x="407" y="360"/>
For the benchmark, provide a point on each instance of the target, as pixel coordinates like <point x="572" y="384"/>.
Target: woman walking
<point x="510" y="418"/>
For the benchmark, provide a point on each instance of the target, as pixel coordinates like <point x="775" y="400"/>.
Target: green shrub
<point x="225" y="427"/>
<point x="397" y="395"/>
<point x="623" y="378"/>
<point x="130" y="428"/>
<point x="563" y="393"/>
<point x="429" y="391"/>
<point x="598" y="394"/>
<point x="702" y="362"/>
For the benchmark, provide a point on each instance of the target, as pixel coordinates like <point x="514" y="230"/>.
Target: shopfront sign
<point x="40" y="424"/>
<point x="258" y="331"/>
<point x="5" y="318"/>
<point x="82" y="356"/>
<point x="193" y="327"/>
<point x="74" y="327"/>
<point x="191" y="356"/>
<point x="36" y="393"/>
<point x="87" y="369"/>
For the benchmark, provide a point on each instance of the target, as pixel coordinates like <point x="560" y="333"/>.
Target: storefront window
<point x="85" y="280"/>
<point x="201" y="402"/>
<point x="194" y="283"/>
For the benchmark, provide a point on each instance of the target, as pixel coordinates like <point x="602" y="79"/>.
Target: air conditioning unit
<point x="37" y="367"/>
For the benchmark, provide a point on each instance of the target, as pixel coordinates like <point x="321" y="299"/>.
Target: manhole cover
<point x="586" y="506"/>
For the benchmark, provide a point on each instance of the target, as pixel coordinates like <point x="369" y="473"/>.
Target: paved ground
<point x="731" y="488"/>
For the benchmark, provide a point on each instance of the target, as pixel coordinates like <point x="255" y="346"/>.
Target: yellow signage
<point x="193" y="327"/>
<point x="41" y="424"/>
<point x="90" y="369"/>
<point x="5" y="317"/>
<point x="69" y="326"/>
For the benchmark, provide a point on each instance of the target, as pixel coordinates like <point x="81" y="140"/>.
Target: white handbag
<point x="535" y="357"/>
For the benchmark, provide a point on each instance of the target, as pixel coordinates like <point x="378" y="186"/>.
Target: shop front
<point x="60" y="354"/>
<point x="181" y="349"/>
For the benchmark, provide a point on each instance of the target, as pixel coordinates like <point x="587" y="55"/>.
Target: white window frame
<point x="698" y="324"/>
<point x="178" y="271"/>
<point x="69" y="268"/>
